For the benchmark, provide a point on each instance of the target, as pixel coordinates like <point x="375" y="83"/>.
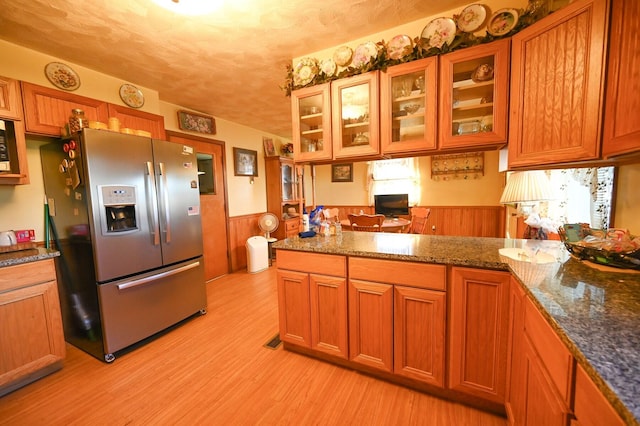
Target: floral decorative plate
<point x="328" y="66"/>
<point x="342" y="56"/>
<point x="305" y="71"/>
<point x="131" y="95"/>
<point x="364" y="53"/>
<point x="503" y="21"/>
<point x="399" y="47"/>
<point x="62" y="76"/>
<point x="472" y="17"/>
<point x="439" y="31"/>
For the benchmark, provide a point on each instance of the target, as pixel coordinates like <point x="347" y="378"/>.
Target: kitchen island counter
<point x="595" y="313"/>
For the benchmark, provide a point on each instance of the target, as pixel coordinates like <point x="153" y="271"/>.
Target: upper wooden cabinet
<point x="10" y="103"/>
<point x="474" y="90"/>
<point x="46" y="110"/>
<point x="408" y="107"/>
<point x="622" y="108"/>
<point x="557" y="86"/>
<point x="311" y="113"/>
<point x="355" y="116"/>
<point x="12" y="131"/>
<point x="138" y="120"/>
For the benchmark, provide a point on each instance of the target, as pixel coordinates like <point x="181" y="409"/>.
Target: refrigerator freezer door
<point x="120" y="167"/>
<point x="178" y="201"/>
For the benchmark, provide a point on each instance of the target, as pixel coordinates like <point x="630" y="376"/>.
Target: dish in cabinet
<point x="439" y="31"/>
<point x="472" y="18"/>
<point x="364" y="53"/>
<point x="399" y="47"/>
<point x="131" y="95"/>
<point x="62" y="76"/>
<point x="503" y="21"/>
<point x="305" y="71"/>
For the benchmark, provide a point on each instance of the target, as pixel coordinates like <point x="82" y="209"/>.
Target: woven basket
<point x="626" y="260"/>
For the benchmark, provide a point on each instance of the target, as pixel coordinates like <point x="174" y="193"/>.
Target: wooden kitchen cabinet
<point x="283" y="192"/>
<point x="47" y="110"/>
<point x="478" y="332"/>
<point x="371" y="324"/>
<point x="10" y="99"/>
<point x="557" y="80"/>
<point x="397" y="321"/>
<point x="541" y="376"/>
<point x="474" y="93"/>
<point x="311" y="114"/>
<point x="408" y="107"/>
<point x="12" y="129"/>
<point x="138" y="120"/>
<point x="621" y="125"/>
<point x="591" y="408"/>
<point x="32" y="337"/>
<point x="355" y="116"/>
<point x="312" y="301"/>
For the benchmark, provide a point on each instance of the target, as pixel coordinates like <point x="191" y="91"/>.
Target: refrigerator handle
<point x="152" y="207"/>
<point x="165" y="202"/>
<point x="146" y="280"/>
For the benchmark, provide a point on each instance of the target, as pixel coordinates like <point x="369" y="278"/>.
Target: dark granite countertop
<point x="26" y="256"/>
<point x="596" y="313"/>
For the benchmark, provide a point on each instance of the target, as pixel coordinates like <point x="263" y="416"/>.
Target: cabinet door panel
<point x="591" y="407"/>
<point x="47" y="110"/>
<point x="329" y="315"/>
<point x="311" y="114"/>
<point x="293" y="307"/>
<point x="138" y="120"/>
<point x="10" y="103"/>
<point x="557" y="86"/>
<point x="621" y="126"/>
<point x="478" y="332"/>
<point x="419" y="333"/>
<point x="371" y="324"/>
<point x="32" y="337"/>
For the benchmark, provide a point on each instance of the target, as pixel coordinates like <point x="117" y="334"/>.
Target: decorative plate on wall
<point x="439" y="31"/>
<point x="62" y="76"/>
<point x="502" y="22"/>
<point x="131" y="95"/>
<point x="472" y="18"/>
<point x="399" y="46"/>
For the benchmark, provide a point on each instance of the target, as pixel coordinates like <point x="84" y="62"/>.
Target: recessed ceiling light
<point x="190" y="7"/>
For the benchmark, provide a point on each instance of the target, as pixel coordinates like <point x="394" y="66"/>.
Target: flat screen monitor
<point x="392" y="205"/>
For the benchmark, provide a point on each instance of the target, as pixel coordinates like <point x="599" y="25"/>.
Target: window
<point x="583" y="196"/>
<point x="397" y="176"/>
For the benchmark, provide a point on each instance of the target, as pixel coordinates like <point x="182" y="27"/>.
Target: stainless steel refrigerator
<point x="125" y="214"/>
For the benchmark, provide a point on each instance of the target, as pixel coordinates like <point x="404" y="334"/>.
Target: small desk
<point x="389" y="225"/>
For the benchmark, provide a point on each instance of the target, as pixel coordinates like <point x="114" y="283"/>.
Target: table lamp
<point x="525" y="189"/>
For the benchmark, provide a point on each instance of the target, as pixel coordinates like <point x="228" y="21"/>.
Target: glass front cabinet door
<point x="408" y="107"/>
<point x="311" y="113"/>
<point x="355" y="116"/>
<point x="474" y="85"/>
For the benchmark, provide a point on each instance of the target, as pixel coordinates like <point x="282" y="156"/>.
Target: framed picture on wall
<point x="269" y="147"/>
<point x="245" y="162"/>
<point x="195" y="122"/>
<point x="342" y="172"/>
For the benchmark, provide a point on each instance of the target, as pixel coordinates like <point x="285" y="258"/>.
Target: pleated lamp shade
<point x="527" y="187"/>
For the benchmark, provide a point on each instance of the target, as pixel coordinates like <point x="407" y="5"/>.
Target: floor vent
<point x="274" y="342"/>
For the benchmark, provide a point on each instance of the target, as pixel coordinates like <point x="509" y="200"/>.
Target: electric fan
<point x="268" y="222"/>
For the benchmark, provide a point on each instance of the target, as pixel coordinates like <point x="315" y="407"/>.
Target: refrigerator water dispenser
<point x="119" y="202"/>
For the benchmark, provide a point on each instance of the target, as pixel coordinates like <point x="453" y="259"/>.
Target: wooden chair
<point x="366" y="222"/>
<point x="332" y="215"/>
<point x="419" y="216"/>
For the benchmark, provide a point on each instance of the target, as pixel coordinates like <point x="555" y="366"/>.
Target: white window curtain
<point x="582" y="196"/>
<point x="397" y="176"/>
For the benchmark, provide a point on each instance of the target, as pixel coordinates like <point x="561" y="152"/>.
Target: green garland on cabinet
<point x="421" y="49"/>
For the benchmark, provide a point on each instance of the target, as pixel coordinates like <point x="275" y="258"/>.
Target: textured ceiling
<point x="230" y="63"/>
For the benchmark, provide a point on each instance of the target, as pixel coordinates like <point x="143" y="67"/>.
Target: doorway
<point x="213" y="201"/>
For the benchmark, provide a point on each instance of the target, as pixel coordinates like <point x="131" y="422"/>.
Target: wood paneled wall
<point x="468" y="221"/>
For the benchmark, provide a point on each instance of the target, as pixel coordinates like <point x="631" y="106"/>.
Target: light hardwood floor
<point x="215" y="370"/>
